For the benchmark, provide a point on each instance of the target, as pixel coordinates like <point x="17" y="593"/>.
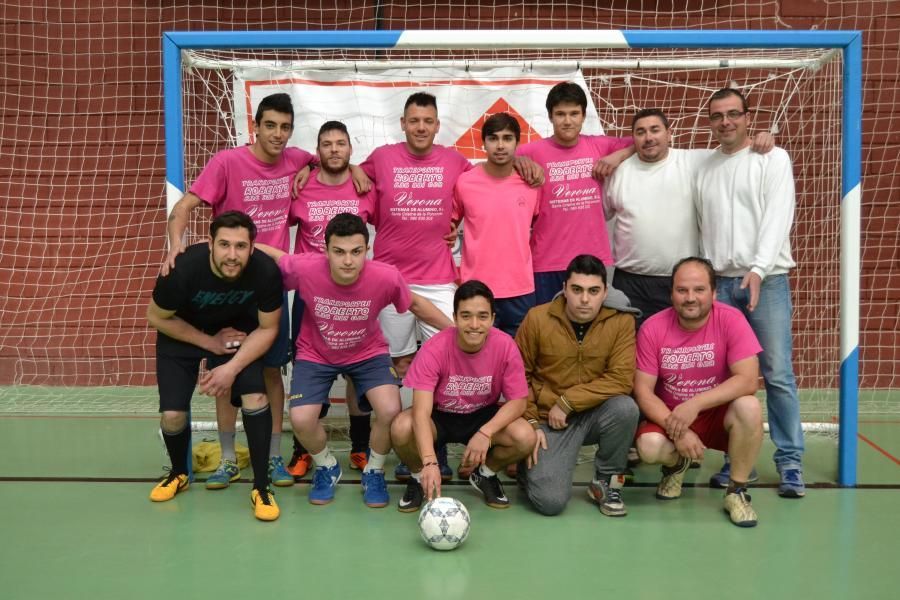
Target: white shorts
<point x="403" y="330"/>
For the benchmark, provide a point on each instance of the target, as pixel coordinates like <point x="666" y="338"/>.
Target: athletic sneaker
<point x="374" y="488"/>
<point x="720" y="480"/>
<point x="225" y="473"/>
<point x="299" y="465"/>
<point x="791" y="485"/>
<point x="359" y="460"/>
<point x="325" y="480"/>
<point x="634" y="459"/>
<point x="608" y="494"/>
<point x="412" y="498"/>
<point x="669" y="487"/>
<point x="490" y="488"/>
<point x="446" y="471"/>
<point x="737" y="505"/>
<point x="401" y="473"/>
<point x="278" y="474"/>
<point x="170" y="485"/>
<point x="264" y="506"/>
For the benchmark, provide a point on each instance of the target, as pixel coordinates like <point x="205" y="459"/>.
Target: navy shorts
<point x="459" y="428"/>
<point x="312" y="382"/>
<point x="547" y="285"/>
<point x="176" y="378"/>
<point x="511" y="311"/>
<point x="280" y="352"/>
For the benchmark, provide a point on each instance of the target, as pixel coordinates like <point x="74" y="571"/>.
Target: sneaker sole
<point x="180" y="489"/>
<point x="376" y="504"/>
<point x="606" y="511"/>
<point x="792" y="494"/>
<point x="321" y="502"/>
<point x="741" y="523"/>
<point x="284" y="482"/>
<point x="222" y="486"/>
<point x="408" y="509"/>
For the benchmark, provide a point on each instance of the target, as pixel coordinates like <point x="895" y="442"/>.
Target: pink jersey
<point x="317" y="203"/>
<point x="571" y="220"/>
<point x="414" y="196"/>
<point x="340" y="322"/>
<point x="497" y="215"/>
<point x="687" y="363"/>
<point x="235" y="179"/>
<point x="462" y="382"/>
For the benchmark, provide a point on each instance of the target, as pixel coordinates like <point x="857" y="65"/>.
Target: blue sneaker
<point x="720" y="479"/>
<point x="446" y="471"/>
<point x="278" y="475"/>
<point x="225" y="473"/>
<point x="325" y="480"/>
<point x="374" y="488"/>
<point x="792" y="485"/>
<point x="401" y="473"/>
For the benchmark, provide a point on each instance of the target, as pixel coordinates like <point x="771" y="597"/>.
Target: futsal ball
<point x="444" y="523"/>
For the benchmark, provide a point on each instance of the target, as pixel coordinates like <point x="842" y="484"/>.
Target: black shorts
<point x="176" y="378"/>
<point x="459" y="428"/>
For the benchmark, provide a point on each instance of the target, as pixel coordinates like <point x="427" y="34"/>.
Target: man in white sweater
<point x="745" y="207"/>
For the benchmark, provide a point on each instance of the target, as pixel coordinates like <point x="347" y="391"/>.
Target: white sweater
<point x="745" y="207"/>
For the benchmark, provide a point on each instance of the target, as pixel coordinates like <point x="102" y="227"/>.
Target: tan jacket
<point x="575" y="376"/>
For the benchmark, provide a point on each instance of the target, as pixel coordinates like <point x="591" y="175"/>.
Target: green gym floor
<point x="77" y="523"/>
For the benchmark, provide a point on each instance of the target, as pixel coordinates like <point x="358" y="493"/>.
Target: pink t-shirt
<point x="235" y="179"/>
<point x="687" y="363"/>
<point x="317" y="203"/>
<point x="340" y="323"/>
<point x="497" y="215"/>
<point x="462" y="382"/>
<point x="414" y="196"/>
<point x="571" y="220"/>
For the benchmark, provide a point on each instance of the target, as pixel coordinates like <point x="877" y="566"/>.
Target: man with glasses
<point x="745" y="206"/>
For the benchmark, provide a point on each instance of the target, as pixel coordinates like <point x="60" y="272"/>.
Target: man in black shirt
<point x="218" y="309"/>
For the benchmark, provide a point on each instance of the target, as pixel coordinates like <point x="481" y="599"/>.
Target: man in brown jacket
<point x="579" y="363"/>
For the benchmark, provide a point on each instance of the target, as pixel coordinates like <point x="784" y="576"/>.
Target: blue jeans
<point x="771" y="321"/>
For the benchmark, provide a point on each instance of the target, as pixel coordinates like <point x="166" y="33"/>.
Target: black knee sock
<point x="258" y="427"/>
<point x="177" y="444"/>
<point x="360" y="430"/>
<point x="298" y="447"/>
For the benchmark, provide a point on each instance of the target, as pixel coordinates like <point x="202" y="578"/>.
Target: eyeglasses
<point x="732" y="115"/>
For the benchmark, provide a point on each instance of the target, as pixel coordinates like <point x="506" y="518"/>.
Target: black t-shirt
<point x="581" y="329"/>
<point x="210" y="303"/>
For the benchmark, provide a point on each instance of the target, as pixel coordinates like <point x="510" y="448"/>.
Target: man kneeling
<point x="696" y="377"/>
<point x="457" y="379"/>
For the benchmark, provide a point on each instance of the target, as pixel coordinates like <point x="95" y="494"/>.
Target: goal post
<point x="636" y="52"/>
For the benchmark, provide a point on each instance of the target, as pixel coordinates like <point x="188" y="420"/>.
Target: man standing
<point x="220" y="307"/>
<point x="695" y="385"/>
<point x="457" y="378"/>
<point x="745" y="206"/>
<point x="579" y="362"/>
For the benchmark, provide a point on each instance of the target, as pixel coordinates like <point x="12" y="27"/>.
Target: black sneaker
<point x="491" y="488"/>
<point x="412" y="497"/>
<point x="446" y="471"/>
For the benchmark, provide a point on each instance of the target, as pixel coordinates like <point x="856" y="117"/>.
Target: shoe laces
<point x="264" y="496"/>
<point x="792" y="476"/>
<point x="321" y="477"/>
<point x="374" y="482"/>
<point x="412" y="489"/>
<point x="169" y="477"/>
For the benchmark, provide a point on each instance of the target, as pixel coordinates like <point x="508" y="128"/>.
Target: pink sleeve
<point x="646" y="350"/>
<point x="401" y="298"/>
<point x="515" y="386"/>
<point x="525" y="150"/>
<point x="290" y="270"/>
<point x="424" y="372"/>
<point x="456" y="212"/>
<point x="606" y="145"/>
<point x="741" y="341"/>
<point x="210" y="185"/>
<point x="367" y="206"/>
<point x="368" y="165"/>
<point x="305" y="158"/>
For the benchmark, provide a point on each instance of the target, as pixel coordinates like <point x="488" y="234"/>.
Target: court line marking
<point x="878" y="448"/>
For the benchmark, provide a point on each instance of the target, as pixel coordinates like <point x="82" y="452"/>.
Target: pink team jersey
<point x="317" y="203"/>
<point x="687" y="363"/>
<point x="414" y="197"/>
<point x="462" y="382"/>
<point x="571" y="220"/>
<point x="497" y="215"/>
<point x="340" y="323"/>
<point x="235" y="179"/>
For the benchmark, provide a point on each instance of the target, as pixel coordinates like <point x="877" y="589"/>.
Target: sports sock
<point x="275" y="445"/>
<point x="298" y="448"/>
<point x="486" y="472"/>
<point x="416" y="476"/>
<point x="360" y="430"/>
<point x="376" y="462"/>
<point x="226" y="440"/>
<point x="177" y="443"/>
<point x="734" y="486"/>
<point x="324" y="458"/>
<point x="258" y="426"/>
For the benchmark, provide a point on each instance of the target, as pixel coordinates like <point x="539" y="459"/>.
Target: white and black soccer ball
<point x="444" y="523"/>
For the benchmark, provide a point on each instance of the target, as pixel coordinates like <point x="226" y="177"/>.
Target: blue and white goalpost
<point x="809" y="83"/>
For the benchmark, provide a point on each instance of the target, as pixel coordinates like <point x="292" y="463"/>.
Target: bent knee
<point x="401" y="427"/>
<point x="254" y="401"/>
<point x="745" y="411"/>
<point x="652" y="447"/>
<point x="548" y="504"/>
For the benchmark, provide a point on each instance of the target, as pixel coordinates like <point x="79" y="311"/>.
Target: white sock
<point x="416" y="476"/>
<point x="376" y="462"/>
<point x="485" y="471"/>
<point x="324" y="458"/>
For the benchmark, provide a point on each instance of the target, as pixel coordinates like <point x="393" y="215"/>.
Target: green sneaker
<point x="278" y="474"/>
<point x="226" y="472"/>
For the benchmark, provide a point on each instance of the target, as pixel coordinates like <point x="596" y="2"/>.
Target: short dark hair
<point x="649" y="112"/>
<point x="586" y="264"/>
<point x="421" y="99"/>
<point x="566" y="91"/>
<point x="277" y="102"/>
<point x="232" y="219"/>
<point x="332" y="126"/>
<point x="345" y="225"/>
<point x="724" y="93"/>
<point x="499" y="122"/>
<point x="471" y="289"/>
<point x="703" y="262"/>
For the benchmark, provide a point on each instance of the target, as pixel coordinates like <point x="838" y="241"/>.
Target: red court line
<point x="879" y="448"/>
